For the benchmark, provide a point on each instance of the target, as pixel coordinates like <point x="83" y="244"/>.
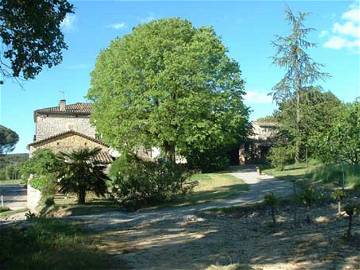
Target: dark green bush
<point x="279" y="156"/>
<point x="210" y="160"/>
<point x="137" y="183"/>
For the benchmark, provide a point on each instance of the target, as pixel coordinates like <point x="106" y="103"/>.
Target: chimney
<point x="62" y="105"/>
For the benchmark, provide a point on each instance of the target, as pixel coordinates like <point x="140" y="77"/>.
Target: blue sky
<point x="245" y="27"/>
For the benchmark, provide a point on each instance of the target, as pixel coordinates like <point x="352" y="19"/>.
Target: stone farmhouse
<point x="65" y="128"/>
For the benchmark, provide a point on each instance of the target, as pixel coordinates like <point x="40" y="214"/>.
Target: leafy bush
<point x="42" y="163"/>
<point x="137" y="183"/>
<point x="4" y="209"/>
<point x="280" y="156"/>
<point x="210" y="160"/>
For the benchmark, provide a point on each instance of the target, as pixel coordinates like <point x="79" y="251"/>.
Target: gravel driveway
<point x="14" y="196"/>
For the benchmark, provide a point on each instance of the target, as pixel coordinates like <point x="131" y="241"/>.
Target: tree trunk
<point x="169" y="149"/>
<point x="349" y="227"/>
<point x="297" y="142"/>
<point x="273" y="215"/>
<point x="81" y="196"/>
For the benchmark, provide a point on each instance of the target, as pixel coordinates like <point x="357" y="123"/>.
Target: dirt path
<point x="139" y="237"/>
<point x="14" y="196"/>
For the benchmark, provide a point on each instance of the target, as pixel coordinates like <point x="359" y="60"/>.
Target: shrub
<point x="271" y="201"/>
<point x="4" y="209"/>
<point x="351" y="210"/>
<point x="210" y="160"/>
<point x="80" y="171"/>
<point x="280" y="156"/>
<point x="137" y="183"/>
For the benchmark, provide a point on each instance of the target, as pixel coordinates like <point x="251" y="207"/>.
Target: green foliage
<point x="340" y="142"/>
<point x="210" y="160"/>
<point x="8" y="138"/>
<point x="43" y="162"/>
<point x="80" y="171"/>
<point x="137" y="183"/>
<point x="31" y="35"/>
<point x="169" y="85"/>
<point x="280" y="156"/>
<point x="318" y="110"/>
<point x="337" y="173"/>
<point x="4" y="209"/>
<point x="48" y="244"/>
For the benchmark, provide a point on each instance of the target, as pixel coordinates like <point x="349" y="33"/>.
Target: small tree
<point x="308" y="198"/>
<point x="271" y="201"/>
<point x="81" y="171"/>
<point x="351" y="210"/>
<point x="339" y="195"/>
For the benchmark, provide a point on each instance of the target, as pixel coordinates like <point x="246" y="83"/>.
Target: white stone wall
<point x="33" y="198"/>
<point x="47" y="126"/>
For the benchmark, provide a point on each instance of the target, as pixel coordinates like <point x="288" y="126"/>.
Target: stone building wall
<point x="66" y="143"/>
<point x="50" y="125"/>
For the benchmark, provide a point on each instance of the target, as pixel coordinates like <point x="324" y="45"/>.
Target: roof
<point x="103" y="156"/>
<point x="69" y="132"/>
<point x="76" y="108"/>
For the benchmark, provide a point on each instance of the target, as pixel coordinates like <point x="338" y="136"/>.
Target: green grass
<point x="295" y="172"/>
<point x="9" y="213"/>
<point x="214" y="186"/>
<point x="49" y="244"/>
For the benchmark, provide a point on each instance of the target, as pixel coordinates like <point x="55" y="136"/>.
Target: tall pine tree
<point x="302" y="72"/>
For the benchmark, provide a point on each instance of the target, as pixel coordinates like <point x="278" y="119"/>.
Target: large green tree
<point x="301" y="71"/>
<point x="31" y="35"/>
<point x="8" y="140"/>
<point x="170" y="85"/>
<point x="318" y="111"/>
<point x="341" y="141"/>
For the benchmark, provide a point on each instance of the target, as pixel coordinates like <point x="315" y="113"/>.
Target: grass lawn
<point x="49" y="244"/>
<point x="292" y="172"/>
<point x="214" y="187"/>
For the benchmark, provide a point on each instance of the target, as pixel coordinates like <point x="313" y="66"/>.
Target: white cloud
<point x="257" y="97"/>
<point x="68" y="22"/>
<point x="352" y="14"/>
<point x="117" y="26"/>
<point x="346" y="34"/>
<point x="348" y="28"/>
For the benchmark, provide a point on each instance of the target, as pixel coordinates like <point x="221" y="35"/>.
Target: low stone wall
<point x="33" y="198"/>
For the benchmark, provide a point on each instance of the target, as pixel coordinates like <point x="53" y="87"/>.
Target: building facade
<point x="65" y="128"/>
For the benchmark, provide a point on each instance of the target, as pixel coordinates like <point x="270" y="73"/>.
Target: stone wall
<point x="50" y="125"/>
<point x="66" y="143"/>
<point x="33" y="198"/>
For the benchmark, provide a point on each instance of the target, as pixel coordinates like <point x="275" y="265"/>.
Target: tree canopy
<point x="31" y="35"/>
<point x="170" y="85"/>
<point x="8" y="140"/>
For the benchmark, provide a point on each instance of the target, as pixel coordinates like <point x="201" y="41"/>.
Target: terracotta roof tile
<point x="76" y="108"/>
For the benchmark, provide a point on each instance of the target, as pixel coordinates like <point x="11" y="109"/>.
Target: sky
<point x="245" y="27"/>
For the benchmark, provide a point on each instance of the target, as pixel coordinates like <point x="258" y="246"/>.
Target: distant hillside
<point x="13" y="159"/>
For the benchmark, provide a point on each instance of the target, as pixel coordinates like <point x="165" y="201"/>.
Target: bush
<point x="4" y="209"/>
<point x="280" y="156"/>
<point x="137" y="183"/>
<point x="208" y="161"/>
